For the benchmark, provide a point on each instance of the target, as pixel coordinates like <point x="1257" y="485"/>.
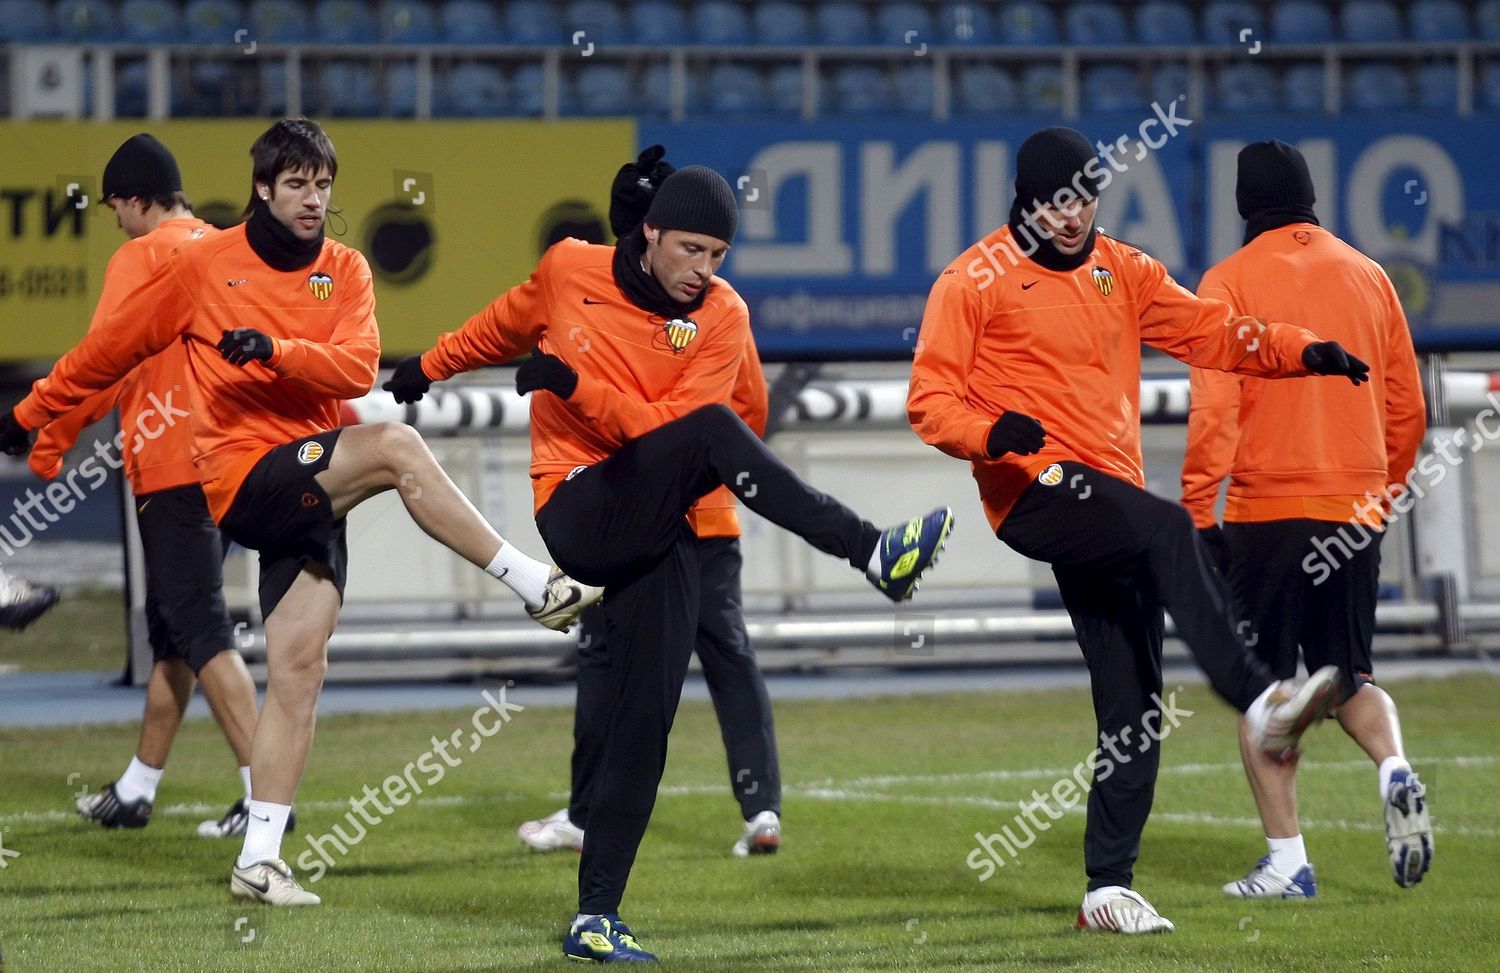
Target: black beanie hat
<point x="1272" y="175"/>
<point x="1052" y="159"/>
<point x="698" y="200"/>
<point x="141" y="167"/>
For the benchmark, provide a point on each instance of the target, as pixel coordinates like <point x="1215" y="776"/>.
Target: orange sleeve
<point x="936" y="400"/>
<point x="509" y="327"/>
<point x="144" y="322"/>
<point x="1213" y="435"/>
<point x="752" y="398"/>
<point x="344" y="366"/>
<point x="1405" y="408"/>
<point x="1206" y="332"/>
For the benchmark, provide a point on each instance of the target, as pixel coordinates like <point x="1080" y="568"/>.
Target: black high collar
<point x="641" y="287"/>
<point x="1041" y="249"/>
<point x="275" y="243"/>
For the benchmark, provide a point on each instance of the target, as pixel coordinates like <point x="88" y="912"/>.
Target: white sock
<point x="873" y="568"/>
<point x="245" y="777"/>
<point x="138" y="781"/>
<point x="1388" y="767"/>
<point x="263" y="832"/>
<point x="1288" y="855"/>
<point x="582" y="917"/>
<point x="525" y="576"/>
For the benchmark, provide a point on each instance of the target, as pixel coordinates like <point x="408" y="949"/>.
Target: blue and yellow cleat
<point x="908" y="549"/>
<point x="603" y="939"/>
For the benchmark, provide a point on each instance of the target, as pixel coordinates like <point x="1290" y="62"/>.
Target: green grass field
<point x="883" y="799"/>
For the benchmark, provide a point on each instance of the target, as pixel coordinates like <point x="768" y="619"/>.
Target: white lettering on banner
<point x="824" y="254"/>
<point x="992" y="188"/>
<point x="1158" y="227"/>
<point x="887" y="190"/>
<point x="1437" y="175"/>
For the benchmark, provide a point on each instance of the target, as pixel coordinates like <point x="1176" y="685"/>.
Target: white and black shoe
<point x="236" y="820"/>
<point x="1408" y="828"/>
<point x="271" y="882"/>
<point x="565" y="600"/>
<point x="22" y="602"/>
<point x="107" y="810"/>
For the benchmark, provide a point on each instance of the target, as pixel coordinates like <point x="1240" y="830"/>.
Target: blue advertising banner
<point x="844" y="225"/>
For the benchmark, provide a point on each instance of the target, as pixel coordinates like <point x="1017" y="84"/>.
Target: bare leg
<point x="167" y="695"/>
<point x="1273" y="784"/>
<point x="231" y="695"/>
<point x="1369" y="716"/>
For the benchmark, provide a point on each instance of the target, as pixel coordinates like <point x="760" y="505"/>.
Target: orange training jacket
<point x="153" y="398"/>
<point x="634" y="372"/>
<point x="1305" y="449"/>
<point x="326" y="347"/>
<point x="1002" y="332"/>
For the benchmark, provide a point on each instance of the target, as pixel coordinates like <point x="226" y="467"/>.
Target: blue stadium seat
<point x="1376" y="88"/>
<point x="1225" y="20"/>
<point x="721" y="23"/>
<point x="1246" y="88"/>
<point x="1302" y="88"/>
<point x="407" y="22"/>
<point x="475" y="89"/>
<point x="1096" y="25"/>
<point x="1167" y="83"/>
<point x="1027" y="24"/>
<point x="280" y="22"/>
<point x="1041" y="89"/>
<point x="1298" y="22"/>
<point x="984" y="89"/>
<point x="602" y="89"/>
<point x="601" y="22"/>
<point x="1111" y="87"/>
<point x="784" y="88"/>
<point x="1437" y="87"/>
<point x="349" y="89"/>
<point x="658" y="23"/>
<point x="1487" y="18"/>
<point x="965" y="23"/>
<point x="861" y="90"/>
<point x="844" y="24"/>
<point x="532" y="22"/>
<point x="1438" y="20"/>
<point x="401" y="89"/>
<point x="1489" y="86"/>
<point x="274" y="89"/>
<point x="894" y="22"/>
<point x="470" y="22"/>
<point x="150" y="22"/>
<point x="1161" y="24"/>
<point x="736" y="89"/>
<point x="782" y="24"/>
<point x="24" y="20"/>
<point x="130" y="89"/>
<point x="346" y="22"/>
<point x="211" y="89"/>
<point x="82" y="21"/>
<point x="915" y="88"/>
<point x="213" y="21"/>
<point x="526" y="90"/>
<point x="1370" y="22"/>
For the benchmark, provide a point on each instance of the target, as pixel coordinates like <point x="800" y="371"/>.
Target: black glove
<point x="409" y="383"/>
<point x="547" y="372"/>
<point x="634" y="186"/>
<point x="244" y="345"/>
<point x="1217" y="547"/>
<point x="1015" y="432"/>
<point x="1330" y="358"/>
<point x="15" y="439"/>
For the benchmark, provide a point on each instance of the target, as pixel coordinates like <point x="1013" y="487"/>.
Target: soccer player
<point x="1310" y="465"/>
<point x="735" y="683"/>
<point x="1031" y="371"/>
<point x="637" y="349"/>
<point x="22" y="602"/>
<point x="278" y="324"/>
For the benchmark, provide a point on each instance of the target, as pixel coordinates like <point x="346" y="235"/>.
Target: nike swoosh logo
<point x="575" y="595"/>
<point x="261" y="887"/>
<point x="588" y="301"/>
<point x="259" y="818"/>
<point x="1027" y="287"/>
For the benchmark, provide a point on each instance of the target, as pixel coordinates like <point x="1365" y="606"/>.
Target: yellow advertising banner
<point x="449" y="214"/>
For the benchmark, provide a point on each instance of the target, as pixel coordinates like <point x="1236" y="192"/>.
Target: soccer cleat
<point x="762" y="836"/>
<point x="566" y="599"/>
<point x="107" y="810"/>
<point x="22" y="602"/>
<point x="269" y="881"/>
<point x="1408" y="829"/>
<point x="603" y="939"/>
<point x="906" y="550"/>
<point x="1292" y="708"/>
<point x="1121" y="910"/>
<point x="551" y="833"/>
<point x="1265" y="882"/>
<point x="235" y="820"/>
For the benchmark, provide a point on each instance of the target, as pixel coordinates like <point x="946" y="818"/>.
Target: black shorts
<point x="285" y="514"/>
<point x="1311" y="583"/>
<point x="184" y="553"/>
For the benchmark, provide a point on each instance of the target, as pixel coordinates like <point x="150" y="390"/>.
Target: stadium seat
<point x="984" y="89"/>
<point x="345" y="22"/>
<point x="531" y="22"/>
<point x="526" y="87"/>
<point x="82" y="21"/>
<point x="914" y="88"/>
<point x="1027" y="24"/>
<point x="1164" y="24"/>
<point x="895" y="22"/>
<point x="1437" y="87"/>
<point x="1096" y="25"/>
<point x="1167" y="83"/>
<point x="273" y="88"/>
<point x="1370" y="22"/>
<point x="349" y="89"/>
<point x="476" y="89"/>
<point x="407" y="22"/>
<point x="1246" y="88"/>
<point x="601" y="22"/>
<point x="1041" y="89"/>
<point x="1298" y="22"/>
<point x="280" y="22"/>
<point x="400" y="86"/>
<point x="720" y="23"/>
<point x="24" y="20"/>
<point x="1302" y="88"/>
<point x="658" y="23"/>
<point x="736" y="89"/>
<point x="130" y="90"/>
<point x="781" y="24"/>
<point x="843" y="24"/>
<point x="965" y="23"/>
<point x="1438" y="21"/>
<point x="861" y="90"/>
<point x="150" y="21"/>
<point x="1487" y="18"/>
<point x="655" y="93"/>
<point x="1111" y="87"/>
<point x="470" y="22"/>
<point x="211" y="91"/>
<point x="213" y="21"/>
<point x="784" y="88"/>
<point x="1376" y="88"/>
<point x="1489" y="86"/>
<point x="1224" y="21"/>
<point x="602" y="89"/>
